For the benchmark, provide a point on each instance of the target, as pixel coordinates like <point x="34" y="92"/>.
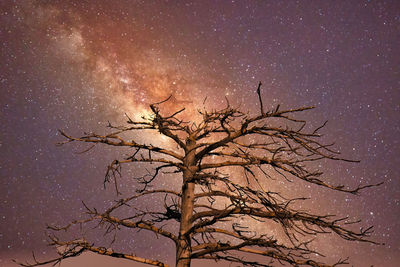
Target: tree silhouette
<point x="224" y="162"/>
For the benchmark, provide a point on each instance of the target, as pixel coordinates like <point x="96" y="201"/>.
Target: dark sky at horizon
<point x="76" y="65"/>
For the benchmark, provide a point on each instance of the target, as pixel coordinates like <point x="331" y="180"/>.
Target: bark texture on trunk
<point x="184" y="247"/>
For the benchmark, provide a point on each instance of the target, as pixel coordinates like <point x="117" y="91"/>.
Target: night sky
<point x="75" y="65"/>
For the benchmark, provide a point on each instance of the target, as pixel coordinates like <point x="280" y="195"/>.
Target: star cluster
<point x="76" y="65"/>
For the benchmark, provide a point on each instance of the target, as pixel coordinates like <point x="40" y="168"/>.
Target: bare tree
<point x="223" y="162"/>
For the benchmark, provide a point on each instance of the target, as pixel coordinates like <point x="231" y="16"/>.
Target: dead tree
<point x="223" y="162"/>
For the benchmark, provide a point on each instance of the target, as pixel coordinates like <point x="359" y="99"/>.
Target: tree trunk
<point x="184" y="246"/>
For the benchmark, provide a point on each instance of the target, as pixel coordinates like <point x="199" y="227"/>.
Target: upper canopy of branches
<point x="231" y="138"/>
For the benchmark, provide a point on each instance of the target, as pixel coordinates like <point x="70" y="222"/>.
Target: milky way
<point x="76" y="65"/>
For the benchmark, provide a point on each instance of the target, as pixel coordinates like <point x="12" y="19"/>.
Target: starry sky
<point x="75" y="65"/>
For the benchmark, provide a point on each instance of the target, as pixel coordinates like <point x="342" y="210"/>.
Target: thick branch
<point x="115" y="140"/>
<point x="76" y="247"/>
